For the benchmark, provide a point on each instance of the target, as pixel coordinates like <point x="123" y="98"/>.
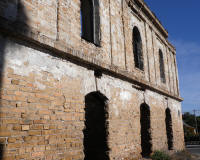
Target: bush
<point x="159" y="155"/>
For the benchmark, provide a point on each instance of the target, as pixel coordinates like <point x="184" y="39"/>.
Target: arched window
<point x="145" y="130"/>
<point x="96" y="127"/>
<point x="90" y="21"/>
<point x="169" y="131"/>
<point x="162" y="68"/>
<point x="137" y="49"/>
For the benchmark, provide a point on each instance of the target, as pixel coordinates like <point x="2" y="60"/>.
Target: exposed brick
<point x="9" y="157"/>
<point x="15" y="82"/>
<point x="39" y="121"/>
<point x="39" y="148"/>
<point x="37" y="154"/>
<point x="11" y="121"/>
<point x="34" y="132"/>
<point x="17" y="127"/>
<point x="2" y="140"/>
<point x="11" y="140"/>
<point x="36" y="127"/>
<point x="25" y="127"/>
<point x="14" y="145"/>
<point x="44" y="112"/>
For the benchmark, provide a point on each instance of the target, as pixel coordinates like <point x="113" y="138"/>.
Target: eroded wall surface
<point x="57" y="24"/>
<point x="42" y="108"/>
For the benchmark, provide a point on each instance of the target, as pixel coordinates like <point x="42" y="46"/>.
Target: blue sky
<point x="182" y="21"/>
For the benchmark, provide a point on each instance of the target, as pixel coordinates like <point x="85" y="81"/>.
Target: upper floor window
<point x="137" y="49"/>
<point x="90" y="21"/>
<point x="162" y="68"/>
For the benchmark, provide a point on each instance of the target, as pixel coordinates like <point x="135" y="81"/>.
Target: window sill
<point x="139" y="70"/>
<point x="89" y="42"/>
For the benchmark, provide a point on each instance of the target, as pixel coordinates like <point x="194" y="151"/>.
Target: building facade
<point x="86" y="79"/>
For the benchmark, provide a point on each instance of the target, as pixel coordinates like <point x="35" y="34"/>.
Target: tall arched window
<point x="90" y="21"/>
<point x="137" y="49"/>
<point x="162" y="68"/>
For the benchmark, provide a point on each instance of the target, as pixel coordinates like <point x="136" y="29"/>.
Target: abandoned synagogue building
<point x="86" y="79"/>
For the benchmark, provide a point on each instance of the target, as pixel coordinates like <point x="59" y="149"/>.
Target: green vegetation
<point x="189" y="133"/>
<point x="160" y="155"/>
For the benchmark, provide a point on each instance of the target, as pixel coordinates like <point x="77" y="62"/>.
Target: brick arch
<point x="96" y="127"/>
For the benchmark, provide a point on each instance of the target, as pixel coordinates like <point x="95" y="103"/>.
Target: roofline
<point x="150" y="15"/>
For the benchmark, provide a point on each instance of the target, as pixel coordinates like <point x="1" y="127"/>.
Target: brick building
<point x="86" y="78"/>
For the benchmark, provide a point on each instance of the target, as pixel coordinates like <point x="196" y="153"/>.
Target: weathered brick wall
<point x="47" y="70"/>
<point x="42" y="109"/>
<point x="42" y="105"/>
<point x="54" y="20"/>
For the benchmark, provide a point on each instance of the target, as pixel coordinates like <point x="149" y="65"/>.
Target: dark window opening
<point x="162" y="68"/>
<point x="168" y="121"/>
<point x="90" y="21"/>
<point x="145" y="130"/>
<point x="96" y="127"/>
<point x="87" y="20"/>
<point x="1" y="151"/>
<point x="137" y="49"/>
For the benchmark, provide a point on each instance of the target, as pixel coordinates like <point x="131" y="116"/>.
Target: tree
<point x="189" y="119"/>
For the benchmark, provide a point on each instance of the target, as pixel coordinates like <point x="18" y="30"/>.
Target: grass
<point x="160" y="155"/>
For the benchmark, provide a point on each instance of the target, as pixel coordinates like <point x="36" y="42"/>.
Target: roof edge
<point x="150" y="15"/>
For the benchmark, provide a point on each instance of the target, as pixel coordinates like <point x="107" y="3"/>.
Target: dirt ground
<point x="185" y="155"/>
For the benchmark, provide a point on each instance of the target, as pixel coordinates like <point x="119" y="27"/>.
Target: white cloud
<point x="186" y="48"/>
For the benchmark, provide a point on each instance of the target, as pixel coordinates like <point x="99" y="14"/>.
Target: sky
<point x="181" y="18"/>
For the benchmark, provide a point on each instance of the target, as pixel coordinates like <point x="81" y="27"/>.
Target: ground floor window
<point x="96" y="127"/>
<point x="145" y="130"/>
<point x="168" y="121"/>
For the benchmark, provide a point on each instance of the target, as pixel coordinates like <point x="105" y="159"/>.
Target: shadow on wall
<point x="13" y="19"/>
<point x="96" y="127"/>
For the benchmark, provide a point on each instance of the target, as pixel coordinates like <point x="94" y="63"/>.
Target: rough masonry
<point x="64" y="98"/>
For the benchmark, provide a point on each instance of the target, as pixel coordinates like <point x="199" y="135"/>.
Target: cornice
<point x="149" y="14"/>
<point x="142" y="6"/>
<point x="32" y="38"/>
